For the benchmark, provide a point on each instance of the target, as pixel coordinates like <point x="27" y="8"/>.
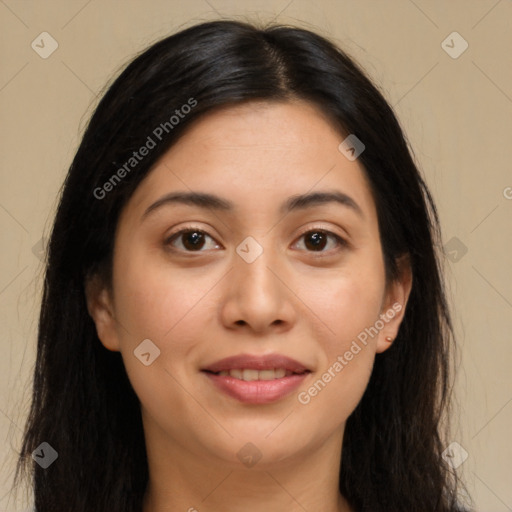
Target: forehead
<point x="256" y="154"/>
<point x="257" y="128"/>
<point x="295" y="119"/>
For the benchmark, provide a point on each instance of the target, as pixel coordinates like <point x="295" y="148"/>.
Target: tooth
<point x="249" y="375"/>
<point x="267" y="375"/>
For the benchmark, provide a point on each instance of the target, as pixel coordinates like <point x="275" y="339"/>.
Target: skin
<point x="203" y="305"/>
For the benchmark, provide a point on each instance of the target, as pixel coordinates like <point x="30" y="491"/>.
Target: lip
<point x="257" y="391"/>
<point x="254" y="362"/>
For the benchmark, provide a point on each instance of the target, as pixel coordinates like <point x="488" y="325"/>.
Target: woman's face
<point x="263" y="275"/>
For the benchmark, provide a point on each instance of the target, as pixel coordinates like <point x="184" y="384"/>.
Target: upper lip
<point x="255" y="362"/>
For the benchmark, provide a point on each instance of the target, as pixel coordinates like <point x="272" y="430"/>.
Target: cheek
<point x="164" y="305"/>
<point x="335" y="392"/>
<point x="170" y="307"/>
<point x="348" y="353"/>
<point x="154" y="298"/>
<point x="348" y="302"/>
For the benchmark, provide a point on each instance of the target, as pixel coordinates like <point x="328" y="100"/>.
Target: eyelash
<point x="192" y="229"/>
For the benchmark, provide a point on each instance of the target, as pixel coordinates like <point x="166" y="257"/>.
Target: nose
<point x="257" y="296"/>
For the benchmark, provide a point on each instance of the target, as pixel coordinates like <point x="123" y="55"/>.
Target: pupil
<point x="318" y="240"/>
<point x="195" y="236"/>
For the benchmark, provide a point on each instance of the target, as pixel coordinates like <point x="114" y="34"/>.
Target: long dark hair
<point x="83" y="404"/>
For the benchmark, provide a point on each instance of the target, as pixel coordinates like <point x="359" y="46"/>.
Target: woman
<point x="243" y="307"/>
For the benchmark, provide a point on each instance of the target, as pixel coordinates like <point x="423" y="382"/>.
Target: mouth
<point x="249" y="374"/>
<point x="257" y="379"/>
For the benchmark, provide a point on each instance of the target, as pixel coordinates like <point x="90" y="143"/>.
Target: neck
<point x="182" y="481"/>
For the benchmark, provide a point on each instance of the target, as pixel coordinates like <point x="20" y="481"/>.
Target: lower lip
<point x="257" y="391"/>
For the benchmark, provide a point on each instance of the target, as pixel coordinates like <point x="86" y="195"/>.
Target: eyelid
<point x="318" y="227"/>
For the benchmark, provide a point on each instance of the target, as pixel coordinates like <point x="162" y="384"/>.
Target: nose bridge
<point x="253" y="273"/>
<point x="256" y="295"/>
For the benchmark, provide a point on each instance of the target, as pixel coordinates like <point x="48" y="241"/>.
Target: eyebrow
<point x="293" y="203"/>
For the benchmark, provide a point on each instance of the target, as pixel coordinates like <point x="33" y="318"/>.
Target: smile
<point x="249" y="375"/>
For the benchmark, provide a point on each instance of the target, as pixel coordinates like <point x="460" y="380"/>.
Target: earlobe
<point x="394" y="304"/>
<point x="100" y="308"/>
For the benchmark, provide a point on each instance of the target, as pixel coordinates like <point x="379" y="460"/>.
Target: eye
<point x="192" y="239"/>
<point x="315" y="240"/>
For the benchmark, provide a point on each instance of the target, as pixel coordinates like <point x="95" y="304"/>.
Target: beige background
<point x="457" y="113"/>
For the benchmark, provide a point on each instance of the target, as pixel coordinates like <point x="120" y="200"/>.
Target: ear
<point x="101" y="310"/>
<point x="394" y="304"/>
